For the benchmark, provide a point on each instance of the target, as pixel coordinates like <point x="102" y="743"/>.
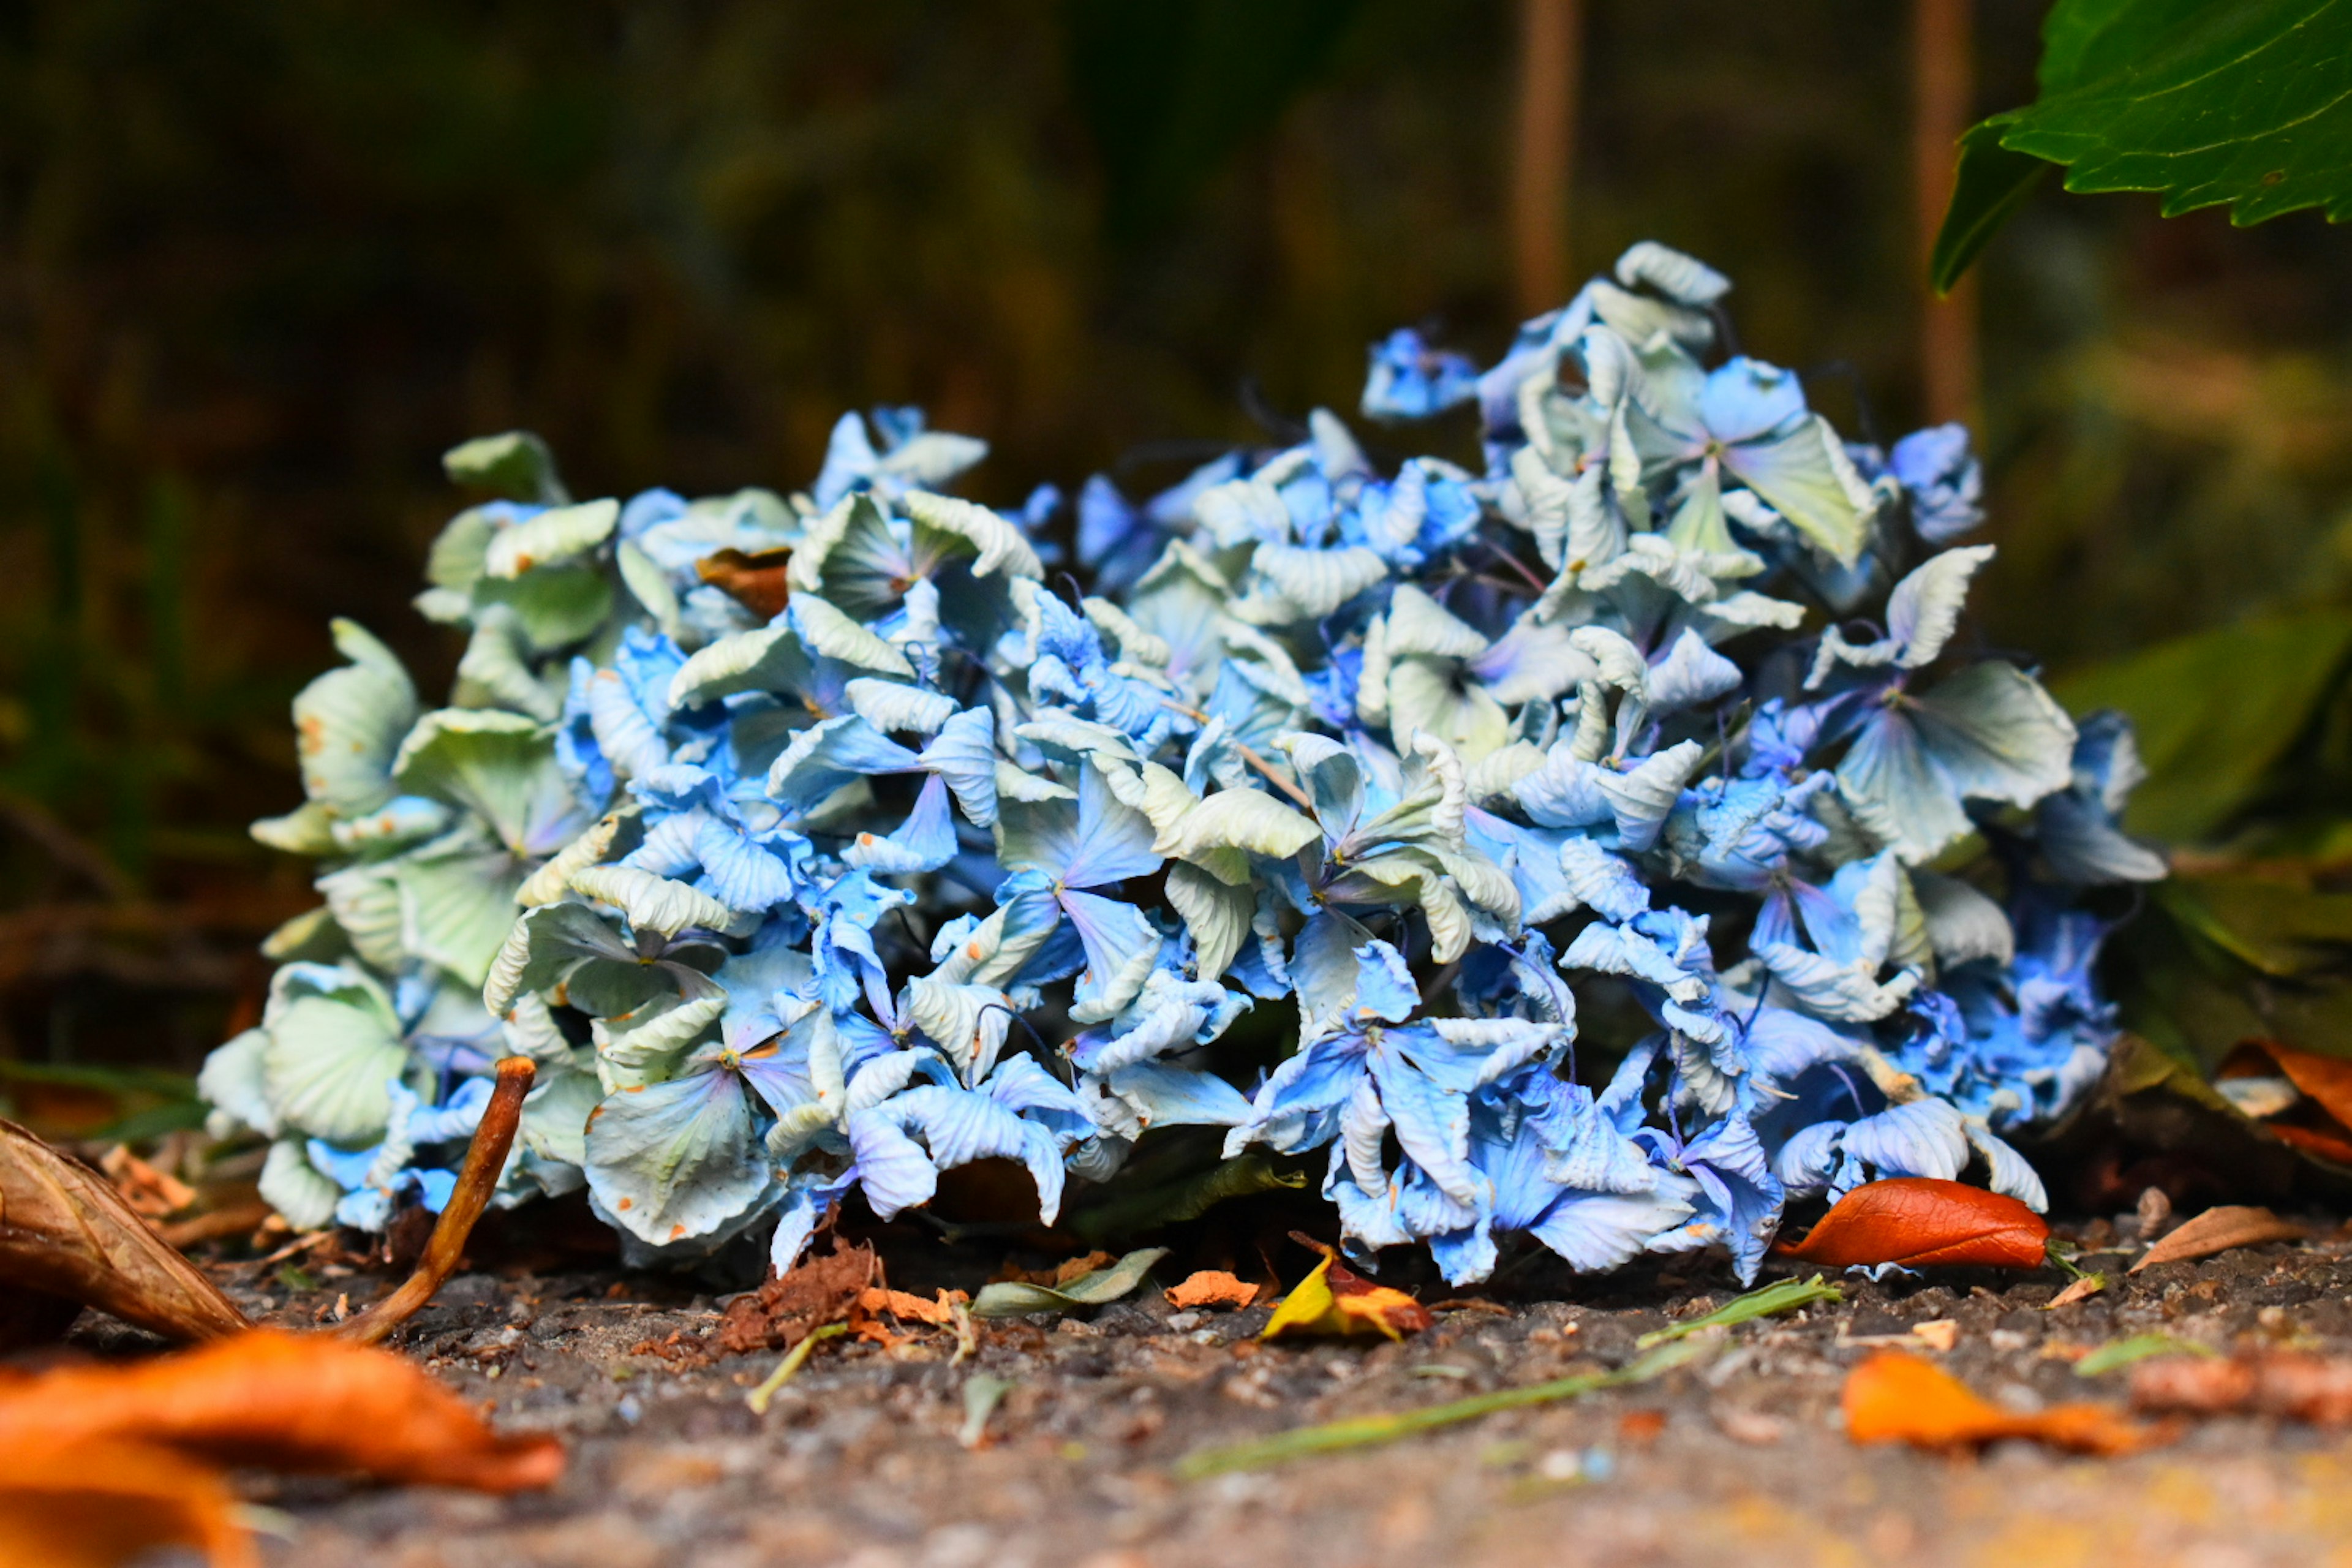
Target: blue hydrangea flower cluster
<point x="815" y="846"/>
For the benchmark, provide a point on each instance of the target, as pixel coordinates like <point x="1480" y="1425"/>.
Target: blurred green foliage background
<point x="262" y="260"/>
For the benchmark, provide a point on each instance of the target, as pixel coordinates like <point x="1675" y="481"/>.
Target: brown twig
<point x="1251" y="758"/>
<point x="486" y="1157"/>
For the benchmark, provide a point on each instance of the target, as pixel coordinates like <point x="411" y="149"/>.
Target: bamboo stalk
<point x="1543" y="151"/>
<point x="1944" y="86"/>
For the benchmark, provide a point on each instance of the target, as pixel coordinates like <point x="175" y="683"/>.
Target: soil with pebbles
<point x="1740" y="1456"/>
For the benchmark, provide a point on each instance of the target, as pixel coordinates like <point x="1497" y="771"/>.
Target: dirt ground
<point x="1741" y="1454"/>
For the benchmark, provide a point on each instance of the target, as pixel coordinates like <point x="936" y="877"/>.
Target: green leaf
<point x="1015" y="1298"/>
<point x="2214" y="711"/>
<point x="2117" y="1353"/>
<point x="2246" y="105"/>
<point x="1992" y="184"/>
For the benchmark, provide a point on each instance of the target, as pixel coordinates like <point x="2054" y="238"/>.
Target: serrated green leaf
<point x="1992" y="185"/>
<point x="2247" y="105"/>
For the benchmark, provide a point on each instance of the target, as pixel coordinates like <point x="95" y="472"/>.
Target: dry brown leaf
<point x="2082" y="1290"/>
<point x="911" y="1309"/>
<point x="65" y="1232"/>
<point x="99" y="1462"/>
<point x="755" y="582"/>
<point x="1211" y="1287"/>
<point x="2218" y="1230"/>
<point x="1896" y="1397"/>
<point x="1059" y="1275"/>
<point x="2287" y="1384"/>
<point x="784" y="1311"/>
<point x="154" y="1193"/>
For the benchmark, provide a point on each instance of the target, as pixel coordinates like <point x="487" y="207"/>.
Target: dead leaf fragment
<point x="1896" y="1397"/>
<point x="908" y="1307"/>
<point x="1334" y="1299"/>
<point x="66" y="1232"/>
<point x="2218" y="1230"/>
<point x="782" y="1311"/>
<point x="755" y="582"/>
<point x="98" y="1463"/>
<point x="1941" y="1335"/>
<point x="2082" y="1290"/>
<point x="1211" y="1287"/>
<point x="2288" y="1384"/>
<point x="306" y="1402"/>
<point x="1917" y="1221"/>
<point x="152" y="1193"/>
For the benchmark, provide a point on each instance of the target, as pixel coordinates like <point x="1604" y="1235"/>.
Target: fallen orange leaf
<point x="2218" y="1230"/>
<point x="109" y="1459"/>
<point x="1896" y="1397"/>
<point x="1918" y="1220"/>
<point x="1211" y="1287"/>
<point x="1335" y="1299"/>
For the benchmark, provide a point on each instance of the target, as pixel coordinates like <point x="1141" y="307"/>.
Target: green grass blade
<point x="1368" y="1431"/>
<point x="1783" y="1296"/>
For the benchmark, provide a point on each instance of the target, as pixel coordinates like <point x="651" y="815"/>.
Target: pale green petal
<point x="456" y="906"/>
<point x="555" y="606"/>
<point x="1997" y="735"/>
<point x="326" y="1068"/>
<point x="305" y="830"/>
<point x="890" y="705"/>
<point x="1311" y="583"/>
<point x="553" y="880"/>
<point x="1244" y="819"/>
<point x="1020" y="785"/>
<point x="1420" y="625"/>
<point x="766" y="658"/>
<point x="516" y="464"/>
<point x="1134" y="644"/>
<point x="649" y="585"/>
<point x="349" y="722"/>
<point x="1218" y="915"/>
<point x="232" y="1083"/>
<point x="1963" y="924"/>
<point x="366" y="904"/>
<point x="996" y="544"/>
<point x="655" y="1032"/>
<point x="828" y="633"/>
<point x="301" y="1193"/>
<point x="652" y="903"/>
<point x="312" y="935"/>
<point x="502" y="766"/>
<point x="1807" y="479"/>
<point x="672" y="1160"/>
<point x="494" y="672"/>
<point x="1426" y="697"/>
<point x="557" y="534"/>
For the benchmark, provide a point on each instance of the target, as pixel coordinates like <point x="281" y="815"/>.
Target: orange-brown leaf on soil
<point x="1917" y="1220"/>
<point x="1059" y="1275"/>
<point x="66" y="1232"/>
<point x="1896" y="1397"/>
<point x="2289" y="1383"/>
<point x="780" y="1314"/>
<point x="908" y="1307"/>
<point x="756" y="581"/>
<point x="100" y="1504"/>
<point x="308" y="1402"/>
<point x="1211" y="1287"/>
<point x="2218" y="1230"/>
<point x="154" y="1193"/>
